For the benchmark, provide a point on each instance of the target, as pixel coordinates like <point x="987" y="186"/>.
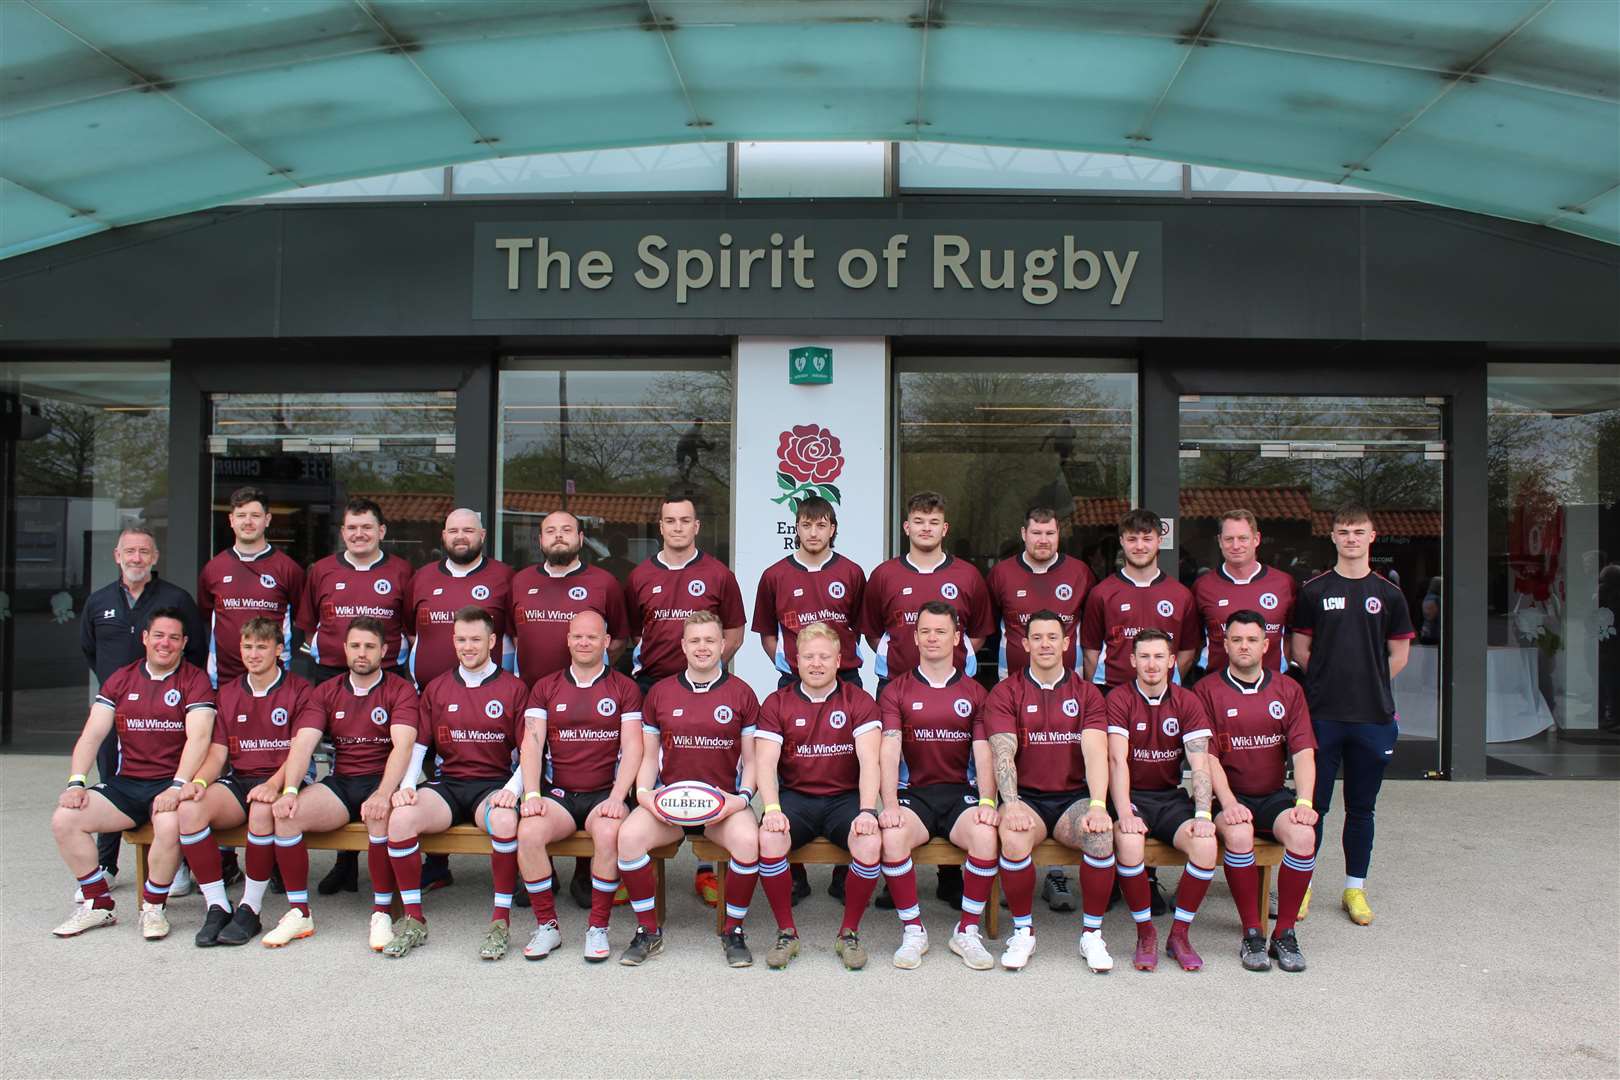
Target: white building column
<point x="795" y="440"/>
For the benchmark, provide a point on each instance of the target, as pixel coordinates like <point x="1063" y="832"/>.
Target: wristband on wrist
<point x="1306" y="803"/>
<point x="747" y="794"/>
<point x="987" y="802"/>
<point x="290" y="789"/>
<point x="76" y="780"/>
<point x="869" y="810"/>
<point x="178" y="783"/>
<point x="1096" y="804"/>
<point x="200" y="782"/>
<point x="527" y="795"/>
<point x="773" y="808"/>
<point x="1203" y="815"/>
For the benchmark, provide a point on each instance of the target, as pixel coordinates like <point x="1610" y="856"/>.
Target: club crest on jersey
<point x="494" y="710"/>
<point x="722" y="714"/>
<point x="696" y="588"/>
<point x="1268" y="600"/>
<point x="267" y="581"/>
<point x="1071" y="708"/>
<point x="1064" y="591"/>
<point x="837" y="719"/>
<point x="382" y="586"/>
<point x="171" y="698"/>
<point x="1170" y="726"/>
<point x="607" y="707"/>
<point x="1277" y="710"/>
<point x="1374" y="605"/>
<point x="1166" y="608"/>
<point x="836" y="590"/>
<point x="278" y="717"/>
<point x="480" y="592"/>
<point x="962" y="706"/>
<point x="379" y="716"/>
<point x="949" y="590"/>
<point x="577" y="593"/>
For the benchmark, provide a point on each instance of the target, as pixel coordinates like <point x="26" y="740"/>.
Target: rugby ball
<point x="689" y="802"/>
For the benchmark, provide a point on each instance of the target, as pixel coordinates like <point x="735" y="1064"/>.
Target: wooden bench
<point x="944" y="853"/>
<point x="457" y="840"/>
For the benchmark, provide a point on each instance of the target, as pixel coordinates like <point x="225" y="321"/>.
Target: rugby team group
<point x="464" y="692"/>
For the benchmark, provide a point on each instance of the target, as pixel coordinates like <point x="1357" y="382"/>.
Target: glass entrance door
<point x="1292" y="461"/>
<point x="310" y="453"/>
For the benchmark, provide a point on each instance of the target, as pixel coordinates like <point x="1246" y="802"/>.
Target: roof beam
<point x="1455" y="80"/>
<point x="1579" y="209"/>
<point x="1142" y="132"/>
<point x="404" y="49"/>
<point x="918" y="119"/>
<point x="662" y="24"/>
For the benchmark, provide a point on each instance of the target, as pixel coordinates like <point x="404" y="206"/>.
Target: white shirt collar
<point x="476" y="677"/>
<point x="454" y="569"/>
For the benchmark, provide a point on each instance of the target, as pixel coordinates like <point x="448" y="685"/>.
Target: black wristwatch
<point x="868" y="810"/>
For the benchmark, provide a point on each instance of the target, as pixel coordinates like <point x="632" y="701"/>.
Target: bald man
<point x="465" y="577"/>
<point x="580" y="752"/>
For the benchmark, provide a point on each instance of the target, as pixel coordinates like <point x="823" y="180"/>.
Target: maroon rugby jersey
<point x="659" y="598"/>
<point x="583" y="726"/>
<point x="1257" y="729"/>
<point x="474" y="727"/>
<point x="543" y="603"/>
<point x="359" y="723"/>
<point x="1018" y="591"/>
<point x="818" y="737"/>
<point x="431" y="602"/>
<point x="256" y="729"/>
<point x="336" y="591"/>
<point x="1118" y="608"/>
<point x="791" y="596"/>
<point x="234" y="588"/>
<point x="149" y="715"/>
<point x="1267" y="591"/>
<point x="1156" y="730"/>
<point x="897" y="589"/>
<point x="1049" y="724"/>
<point x="700" y="732"/>
<point x="937" y="726"/>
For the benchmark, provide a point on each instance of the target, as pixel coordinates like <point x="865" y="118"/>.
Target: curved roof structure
<point x="118" y="111"/>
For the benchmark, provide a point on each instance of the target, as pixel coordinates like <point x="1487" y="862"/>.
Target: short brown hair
<point x="1140" y="520"/>
<point x="244" y="495"/>
<point x="361" y="505"/>
<point x="1240" y="514"/>
<point x="261" y="628"/>
<point x="1042" y="514"/>
<point x="940" y="607"/>
<point x="925" y="502"/>
<point x="1351" y="514"/>
<point x="367" y="625"/>
<point x="1151" y="635"/>
<point x="815" y="508"/>
<point x="474" y="613"/>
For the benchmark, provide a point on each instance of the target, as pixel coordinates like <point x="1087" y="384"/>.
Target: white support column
<point x="782" y="432"/>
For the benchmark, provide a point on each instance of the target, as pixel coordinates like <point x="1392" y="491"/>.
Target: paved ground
<point x="1494" y="954"/>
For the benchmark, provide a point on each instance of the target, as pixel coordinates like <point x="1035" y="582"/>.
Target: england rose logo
<point x="480" y="592"/>
<point x="383" y="586"/>
<point x="1063" y="591"/>
<point x="1277" y="710"/>
<point x="1166" y="608"/>
<point x="1268" y="600"/>
<point x="808" y="459"/>
<point x="278" y="717"/>
<point x="577" y="593"/>
<point x="836" y="590"/>
<point x="1374" y="605"/>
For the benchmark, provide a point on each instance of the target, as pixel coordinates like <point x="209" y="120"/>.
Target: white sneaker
<point x="85" y="917"/>
<point x="970" y="947"/>
<point x="913" y="943"/>
<point x="1095" y="952"/>
<point x="293" y="925"/>
<point x="154" y="923"/>
<point x="546" y="937"/>
<point x="112" y="883"/>
<point x="1019" y="947"/>
<point x="183" y="884"/>
<point x="382" y="931"/>
<point x="596" y="944"/>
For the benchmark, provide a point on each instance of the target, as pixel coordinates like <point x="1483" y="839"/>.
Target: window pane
<point x="91" y="454"/>
<point x="803" y="170"/>
<point x="681" y="167"/>
<point x="1554" y="576"/>
<point x="607" y="441"/>
<point x="1211" y="178"/>
<point x="961" y="166"/>
<point x="996" y="440"/>
<point x="417" y="182"/>
<point x="311" y="453"/>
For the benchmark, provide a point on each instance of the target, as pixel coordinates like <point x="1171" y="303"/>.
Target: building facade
<point x="1456" y="374"/>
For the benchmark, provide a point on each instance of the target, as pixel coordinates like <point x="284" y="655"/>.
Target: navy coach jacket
<point x="110" y="630"/>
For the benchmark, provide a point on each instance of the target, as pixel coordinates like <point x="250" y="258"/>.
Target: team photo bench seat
<point x="1267" y="854"/>
<point x="458" y="840"/>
